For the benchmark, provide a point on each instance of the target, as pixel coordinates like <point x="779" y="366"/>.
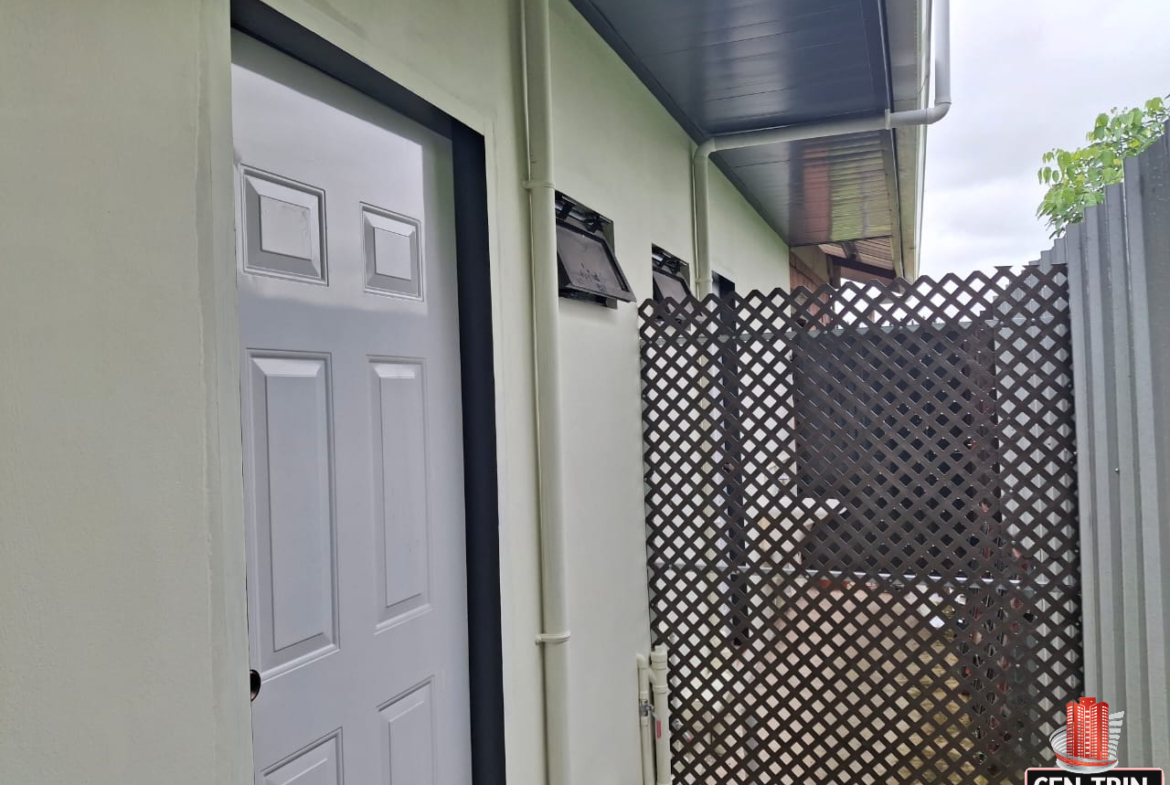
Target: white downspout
<point x="792" y="133"/>
<point x="702" y="197"/>
<point x="554" y="637"/>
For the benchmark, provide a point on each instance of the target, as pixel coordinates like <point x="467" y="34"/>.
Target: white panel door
<point x="352" y="433"/>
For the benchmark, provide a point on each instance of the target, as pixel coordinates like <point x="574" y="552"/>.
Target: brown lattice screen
<point x="862" y="529"/>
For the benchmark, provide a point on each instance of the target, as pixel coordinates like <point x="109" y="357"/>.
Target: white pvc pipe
<point x="659" y="682"/>
<point x="546" y="358"/>
<point x="645" y="729"/>
<point x="792" y="133"/>
<point x="702" y="197"/>
<point x="941" y="9"/>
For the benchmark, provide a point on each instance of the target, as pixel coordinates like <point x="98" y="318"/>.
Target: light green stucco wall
<point x="120" y="606"/>
<point x="121" y="563"/>
<point x="619" y="152"/>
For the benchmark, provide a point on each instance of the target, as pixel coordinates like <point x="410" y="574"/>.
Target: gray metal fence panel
<point x="1149" y="264"/>
<point x="1068" y="253"/>
<point x="1116" y="286"/>
<point x="1119" y="274"/>
<point x="1103" y="417"/>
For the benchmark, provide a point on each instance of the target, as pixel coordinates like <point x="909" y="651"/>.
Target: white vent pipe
<point x="654" y="717"/>
<point x="645" y="718"/>
<point x="941" y="9"/>
<point x="554" y="637"/>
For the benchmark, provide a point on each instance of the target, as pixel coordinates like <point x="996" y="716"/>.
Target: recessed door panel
<point x="320" y="764"/>
<point x="400" y="473"/>
<point x="283" y="227"/>
<point x="408" y="734"/>
<point x="294" y="516"/>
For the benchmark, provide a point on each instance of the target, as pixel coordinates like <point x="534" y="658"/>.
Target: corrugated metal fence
<point x="1119" y="284"/>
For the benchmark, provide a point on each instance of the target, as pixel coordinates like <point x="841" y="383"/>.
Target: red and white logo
<point x="1088" y="742"/>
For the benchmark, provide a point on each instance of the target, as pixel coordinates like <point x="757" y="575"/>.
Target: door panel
<point x="410" y="739"/>
<point x="293" y="511"/>
<point x="285" y="236"/>
<point x="320" y="764"/>
<point x="352" y="433"/>
<point x="401" y="479"/>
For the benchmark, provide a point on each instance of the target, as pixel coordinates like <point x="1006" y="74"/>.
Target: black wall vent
<point x="670" y="276"/>
<point x="589" y="269"/>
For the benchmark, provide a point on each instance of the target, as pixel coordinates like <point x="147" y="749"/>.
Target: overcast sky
<point x="1028" y="75"/>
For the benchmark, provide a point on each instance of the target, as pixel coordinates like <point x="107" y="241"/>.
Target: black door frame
<point x="477" y="364"/>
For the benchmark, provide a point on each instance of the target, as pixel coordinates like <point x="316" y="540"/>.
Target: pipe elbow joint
<point x="914" y="117"/>
<point x="704" y="150"/>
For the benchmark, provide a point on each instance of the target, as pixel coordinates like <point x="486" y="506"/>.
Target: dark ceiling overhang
<point x="729" y="66"/>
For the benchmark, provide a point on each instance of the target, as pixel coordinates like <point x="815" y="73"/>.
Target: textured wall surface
<point x="119" y="594"/>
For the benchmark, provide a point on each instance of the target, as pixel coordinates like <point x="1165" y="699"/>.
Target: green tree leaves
<point x="1077" y="179"/>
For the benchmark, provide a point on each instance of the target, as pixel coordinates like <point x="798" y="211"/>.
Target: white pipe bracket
<point x="552" y="638"/>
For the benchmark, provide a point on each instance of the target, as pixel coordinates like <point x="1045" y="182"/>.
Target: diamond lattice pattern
<point x="862" y="528"/>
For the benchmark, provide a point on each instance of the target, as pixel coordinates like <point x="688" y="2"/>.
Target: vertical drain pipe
<point x="554" y="637"/>
<point x="654" y="717"/>
<point x="941" y="11"/>
<point x="645" y="714"/>
<point x="702" y="196"/>
<point x="659" y="682"/>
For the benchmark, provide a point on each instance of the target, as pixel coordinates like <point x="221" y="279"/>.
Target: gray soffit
<point x="726" y="66"/>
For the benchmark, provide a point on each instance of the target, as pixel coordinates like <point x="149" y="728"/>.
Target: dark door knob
<point x="254" y="677"/>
